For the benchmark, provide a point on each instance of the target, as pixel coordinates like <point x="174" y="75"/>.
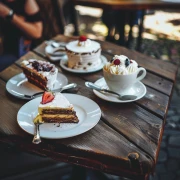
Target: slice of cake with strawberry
<point x="40" y="73"/>
<point x="55" y="108"/>
<point x="83" y="54"/>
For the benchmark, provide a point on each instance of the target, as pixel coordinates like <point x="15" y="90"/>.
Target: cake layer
<point x="59" y="118"/>
<point x="35" y="79"/>
<point x="55" y="110"/>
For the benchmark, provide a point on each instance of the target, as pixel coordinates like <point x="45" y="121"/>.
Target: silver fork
<point x="37" y="138"/>
<point x="68" y="86"/>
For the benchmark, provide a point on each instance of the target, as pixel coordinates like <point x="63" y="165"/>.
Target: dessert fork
<point x="37" y="138"/>
<point x="103" y="90"/>
<point x="69" y="86"/>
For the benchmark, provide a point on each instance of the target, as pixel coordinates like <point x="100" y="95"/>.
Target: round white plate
<point x="137" y="89"/>
<point x="55" y="55"/>
<point x="88" y="113"/>
<point x="63" y="64"/>
<point x="18" y="85"/>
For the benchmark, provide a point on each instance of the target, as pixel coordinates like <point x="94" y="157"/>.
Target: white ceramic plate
<point x="63" y="64"/>
<point x="88" y="113"/>
<point x="19" y="85"/>
<point x="137" y="89"/>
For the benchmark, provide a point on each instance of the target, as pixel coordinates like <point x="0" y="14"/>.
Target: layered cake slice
<point x="40" y="73"/>
<point x="55" y="108"/>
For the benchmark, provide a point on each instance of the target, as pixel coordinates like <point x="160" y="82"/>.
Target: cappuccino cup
<point x="121" y="73"/>
<point x="122" y="83"/>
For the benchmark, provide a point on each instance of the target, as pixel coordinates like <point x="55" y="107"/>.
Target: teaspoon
<point x="103" y="90"/>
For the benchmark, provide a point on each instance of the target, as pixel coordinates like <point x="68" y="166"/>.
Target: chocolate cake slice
<point x="40" y="73"/>
<point x="55" y="108"/>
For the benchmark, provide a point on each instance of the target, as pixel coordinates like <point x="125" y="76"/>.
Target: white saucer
<point x="19" y="85"/>
<point x="63" y="64"/>
<point x="55" y="56"/>
<point x="88" y="113"/>
<point x="137" y="89"/>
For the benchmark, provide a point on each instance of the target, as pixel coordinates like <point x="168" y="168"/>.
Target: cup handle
<point x="142" y="75"/>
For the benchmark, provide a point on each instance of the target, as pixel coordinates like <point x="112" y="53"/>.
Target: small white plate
<point x="19" y="85"/>
<point x="88" y="112"/>
<point x="137" y="89"/>
<point x="63" y="64"/>
<point x="55" y="56"/>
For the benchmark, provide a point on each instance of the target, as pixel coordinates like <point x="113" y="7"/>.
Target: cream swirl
<point x="132" y="67"/>
<point x="122" y="70"/>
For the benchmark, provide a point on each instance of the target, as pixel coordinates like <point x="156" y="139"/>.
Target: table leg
<point x="74" y="20"/>
<point x="140" y="31"/>
<point x="131" y="23"/>
<point x="120" y="27"/>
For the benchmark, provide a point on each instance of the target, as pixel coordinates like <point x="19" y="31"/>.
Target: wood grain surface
<point x="125" y="142"/>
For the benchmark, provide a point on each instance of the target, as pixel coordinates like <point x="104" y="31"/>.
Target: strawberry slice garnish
<point x="47" y="97"/>
<point x="82" y="38"/>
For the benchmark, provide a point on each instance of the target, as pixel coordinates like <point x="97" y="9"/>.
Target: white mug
<point x="122" y="83"/>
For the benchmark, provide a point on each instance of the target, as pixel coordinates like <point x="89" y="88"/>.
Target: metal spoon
<point x="55" y="44"/>
<point x="120" y="97"/>
<point x="69" y="86"/>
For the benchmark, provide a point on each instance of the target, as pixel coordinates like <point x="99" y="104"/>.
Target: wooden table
<point x="125" y="142"/>
<point x="128" y="10"/>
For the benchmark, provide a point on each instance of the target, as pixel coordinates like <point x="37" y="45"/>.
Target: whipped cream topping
<point x="121" y="65"/>
<point x="58" y="101"/>
<point x="79" y="47"/>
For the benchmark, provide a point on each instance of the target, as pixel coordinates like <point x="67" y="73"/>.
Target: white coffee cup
<point x="122" y="83"/>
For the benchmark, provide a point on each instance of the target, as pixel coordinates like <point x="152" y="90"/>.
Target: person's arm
<point x="31" y="29"/>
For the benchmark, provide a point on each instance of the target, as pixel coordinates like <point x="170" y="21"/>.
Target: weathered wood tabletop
<point x="125" y="142"/>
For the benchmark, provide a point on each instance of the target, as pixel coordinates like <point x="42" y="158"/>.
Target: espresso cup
<point x="122" y="83"/>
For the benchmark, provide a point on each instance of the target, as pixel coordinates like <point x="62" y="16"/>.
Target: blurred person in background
<point x="20" y="23"/>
